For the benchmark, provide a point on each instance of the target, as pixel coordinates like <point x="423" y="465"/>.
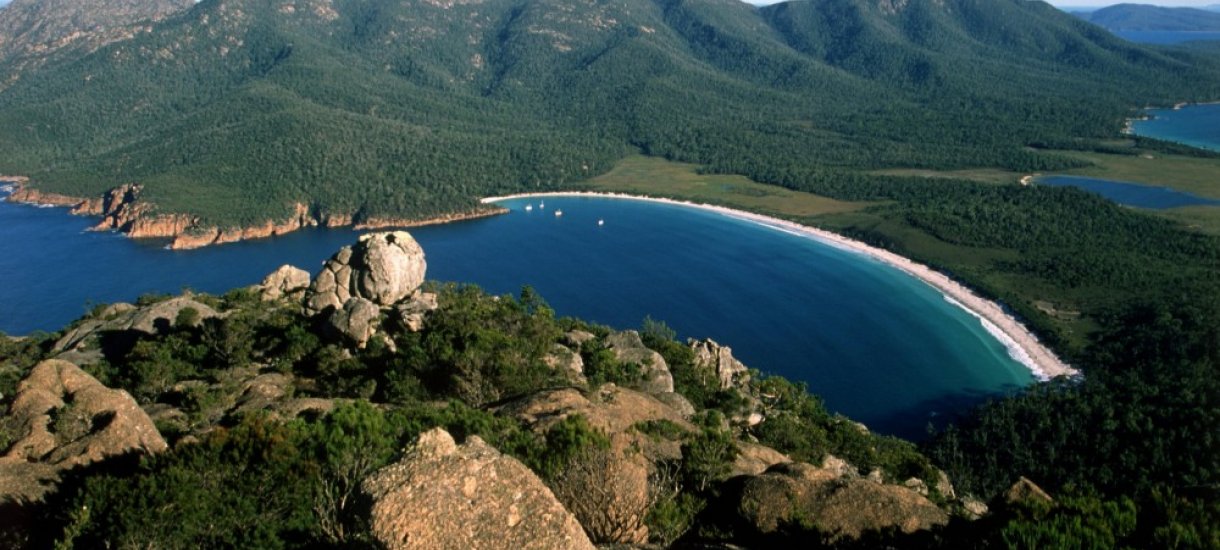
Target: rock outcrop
<point x="443" y="495"/>
<point x="122" y="209"/>
<point x="719" y="359"/>
<point x="1026" y="491"/>
<point x="151" y="319"/>
<point x="609" y="408"/>
<point x="654" y="373"/>
<point x="356" y="321"/>
<point x="64" y="418"/>
<point x="411" y="312"/>
<point x="832" y="502"/>
<point x="754" y="459"/>
<point x="567" y="362"/>
<point x="286" y="282"/>
<point x="382" y="268"/>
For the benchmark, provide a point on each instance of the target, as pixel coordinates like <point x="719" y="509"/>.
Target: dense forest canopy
<point x="235" y="109"/>
<point x="232" y="110"/>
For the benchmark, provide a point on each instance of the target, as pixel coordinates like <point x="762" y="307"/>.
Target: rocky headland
<point x="123" y="209"/>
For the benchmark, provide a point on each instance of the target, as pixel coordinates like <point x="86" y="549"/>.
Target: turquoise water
<point x="1130" y="194"/>
<point x="1197" y="125"/>
<point x="878" y="345"/>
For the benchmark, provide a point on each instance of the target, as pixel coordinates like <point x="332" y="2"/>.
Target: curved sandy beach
<point x="1021" y="343"/>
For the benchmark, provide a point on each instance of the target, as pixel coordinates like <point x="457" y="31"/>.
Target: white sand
<point x="1023" y="346"/>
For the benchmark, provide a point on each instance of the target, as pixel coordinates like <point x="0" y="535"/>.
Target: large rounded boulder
<point x="382" y="268"/>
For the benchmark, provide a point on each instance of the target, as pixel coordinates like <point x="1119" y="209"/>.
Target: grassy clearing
<point x="1203" y="219"/>
<point x="982" y="175"/>
<point x="658" y="177"/>
<point x="1200" y="176"/>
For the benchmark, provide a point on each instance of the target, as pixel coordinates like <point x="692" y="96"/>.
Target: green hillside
<point x="235" y="109"/>
<point x="1139" y="17"/>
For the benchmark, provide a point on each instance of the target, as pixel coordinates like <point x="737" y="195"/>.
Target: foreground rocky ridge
<point x="520" y="430"/>
<point x="122" y="209"/>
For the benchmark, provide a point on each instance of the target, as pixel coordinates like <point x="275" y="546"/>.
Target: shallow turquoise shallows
<point x="1197" y="125"/>
<point x="878" y="345"/>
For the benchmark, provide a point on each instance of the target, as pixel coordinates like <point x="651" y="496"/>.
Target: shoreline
<point x="1023" y="346"/>
<point x="184" y="233"/>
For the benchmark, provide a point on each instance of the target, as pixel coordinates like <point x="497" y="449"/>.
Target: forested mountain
<point x="234" y="110"/>
<point x="1139" y="17"/>
<point x="33" y="30"/>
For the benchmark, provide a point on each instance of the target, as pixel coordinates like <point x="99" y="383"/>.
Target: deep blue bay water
<point x="1131" y="194"/>
<point x="876" y="344"/>
<point x="1196" y="125"/>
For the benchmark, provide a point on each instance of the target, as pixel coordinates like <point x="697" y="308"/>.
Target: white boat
<point x="529" y="207"/>
<point x="601" y="222"/>
<point x="542" y="205"/>
<point x="558" y="213"/>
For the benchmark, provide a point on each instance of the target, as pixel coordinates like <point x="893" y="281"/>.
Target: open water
<point x="1197" y="125"/>
<point x="876" y="344"/>
<point x="1131" y="194"/>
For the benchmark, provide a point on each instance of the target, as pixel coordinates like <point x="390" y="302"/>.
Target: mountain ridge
<point x="371" y="108"/>
<point x="1142" y="17"/>
<point x="34" y="31"/>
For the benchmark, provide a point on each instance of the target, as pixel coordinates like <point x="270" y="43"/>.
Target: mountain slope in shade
<point x="237" y="110"/>
<point x="33" y="30"/>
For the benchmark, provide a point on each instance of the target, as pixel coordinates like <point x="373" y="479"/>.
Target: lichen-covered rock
<point x="287" y="281"/>
<point x="412" y="311"/>
<point x="565" y="360"/>
<point x="151" y="319"/>
<point x="654" y="372"/>
<point x="1026" y="491"/>
<point x="676" y="401"/>
<point x="65" y="418"/>
<point x="156" y="318"/>
<point x="944" y="486"/>
<point x="973" y="508"/>
<point x="447" y="496"/>
<point x="577" y="338"/>
<point x="754" y="459"/>
<point x="382" y="268"/>
<point x="719" y="359"/>
<point x="804" y="497"/>
<point x="355" y="322"/>
<point x="608" y="409"/>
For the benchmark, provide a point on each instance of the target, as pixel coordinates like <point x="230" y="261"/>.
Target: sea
<point x="876" y="344"/>
<point x="1196" y="125"/>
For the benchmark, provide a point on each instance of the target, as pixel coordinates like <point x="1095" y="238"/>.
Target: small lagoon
<point x="1131" y="194"/>
<point x="876" y="344"/>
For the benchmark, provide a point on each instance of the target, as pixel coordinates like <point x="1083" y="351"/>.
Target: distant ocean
<point x="878" y="345"/>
